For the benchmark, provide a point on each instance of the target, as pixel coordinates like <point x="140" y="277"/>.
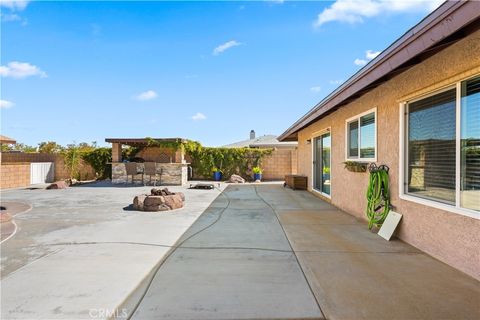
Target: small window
<point x="361" y="137"/>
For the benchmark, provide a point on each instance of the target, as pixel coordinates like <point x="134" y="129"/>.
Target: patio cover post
<point x="179" y="156"/>
<point x="116" y="152"/>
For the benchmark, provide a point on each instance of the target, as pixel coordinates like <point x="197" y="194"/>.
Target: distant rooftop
<point x="265" y="141"/>
<point x="7" y="140"/>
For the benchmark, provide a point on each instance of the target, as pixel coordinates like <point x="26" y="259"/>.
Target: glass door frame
<point x="315" y="136"/>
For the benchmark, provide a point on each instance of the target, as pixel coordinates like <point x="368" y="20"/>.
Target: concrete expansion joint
<point x="33" y="261"/>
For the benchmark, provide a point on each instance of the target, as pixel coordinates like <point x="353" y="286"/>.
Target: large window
<point x="361" y="137"/>
<point x="442" y="160"/>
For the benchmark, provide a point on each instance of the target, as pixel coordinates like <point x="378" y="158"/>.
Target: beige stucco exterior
<point x="450" y="237"/>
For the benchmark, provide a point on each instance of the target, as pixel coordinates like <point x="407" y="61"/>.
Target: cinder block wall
<point x="280" y="163"/>
<point x="85" y="170"/>
<point x="61" y="172"/>
<point x="27" y="157"/>
<point x="14" y="175"/>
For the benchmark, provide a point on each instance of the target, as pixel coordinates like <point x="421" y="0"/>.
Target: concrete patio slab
<point x="78" y="254"/>
<point x="355" y="274"/>
<point x="234" y="262"/>
<point x="241" y="267"/>
<point x="390" y="286"/>
<point x="77" y="282"/>
<point x="229" y="284"/>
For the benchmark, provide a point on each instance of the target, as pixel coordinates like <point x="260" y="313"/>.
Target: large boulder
<point x="138" y="202"/>
<point x="181" y="195"/>
<point x="153" y="203"/>
<point x="174" y="201"/>
<point x="236" y="179"/>
<point x="58" y="185"/>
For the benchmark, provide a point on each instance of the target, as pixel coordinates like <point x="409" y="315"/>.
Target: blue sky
<point x="208" y="71"/>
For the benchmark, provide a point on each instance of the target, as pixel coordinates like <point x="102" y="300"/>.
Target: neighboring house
<point x="415" y="108"/>
<point x="281" y="162"/>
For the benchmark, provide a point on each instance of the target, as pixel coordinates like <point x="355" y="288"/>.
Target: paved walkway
<point x="242" y="267"/>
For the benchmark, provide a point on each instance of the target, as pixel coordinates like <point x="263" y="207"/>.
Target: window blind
<point x="431" y="146"/>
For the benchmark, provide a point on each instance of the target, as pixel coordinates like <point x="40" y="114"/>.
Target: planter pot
<point x="217" y="176"/>
<point x="357" y="168"/>
<point x="257" y="176"/>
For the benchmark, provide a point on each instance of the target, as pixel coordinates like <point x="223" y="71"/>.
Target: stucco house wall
<point x="450" y="237"/>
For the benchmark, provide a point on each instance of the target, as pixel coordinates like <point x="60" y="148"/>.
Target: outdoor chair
<point x="131" y="168"/>
<point x="151" y="170"/>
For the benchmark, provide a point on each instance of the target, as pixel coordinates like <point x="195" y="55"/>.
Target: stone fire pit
<point x="159" y="200"/>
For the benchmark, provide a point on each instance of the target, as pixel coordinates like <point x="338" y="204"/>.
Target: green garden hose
<point x="378" y="196"/>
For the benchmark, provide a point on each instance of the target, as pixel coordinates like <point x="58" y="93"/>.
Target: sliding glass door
<point x="321" y="163"/>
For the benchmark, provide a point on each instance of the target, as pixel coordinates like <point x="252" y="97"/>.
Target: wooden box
<point x="296" y="182"/>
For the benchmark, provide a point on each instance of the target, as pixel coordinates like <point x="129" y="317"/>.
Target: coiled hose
<point x="378" y="196"/>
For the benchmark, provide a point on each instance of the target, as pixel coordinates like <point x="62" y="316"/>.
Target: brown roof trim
<point x="447" y="19"/>
<point x="141" y="141"/>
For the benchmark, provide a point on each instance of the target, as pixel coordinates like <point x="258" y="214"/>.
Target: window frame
<point x="315" y="135"/>
<point x="403" y="152"/>
<point x="347" y="147"/>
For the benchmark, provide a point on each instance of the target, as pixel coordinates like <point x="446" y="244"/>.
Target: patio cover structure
<point x="171" y="165"/>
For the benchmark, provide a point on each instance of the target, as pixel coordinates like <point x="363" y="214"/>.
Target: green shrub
<point x="228" y="160"/>
<point x="72" y="157"/>
<point x="98" y="159"/>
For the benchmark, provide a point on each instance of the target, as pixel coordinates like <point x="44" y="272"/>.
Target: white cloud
<point x="10" y="17"/>
<point x="147" y="95"/>
<point x="360" y="62"/>
<point x="19" y="70"/>
<point x="355" y="11"/>
<point x="336" y="81"/>
<point x="316" y="89"/>
<point x="225" y="46"/>
<point x="14" y="5"/>
<point x="5" y="104"/>
<point x="370" y="54"/>
<point x="199" y="116"/>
